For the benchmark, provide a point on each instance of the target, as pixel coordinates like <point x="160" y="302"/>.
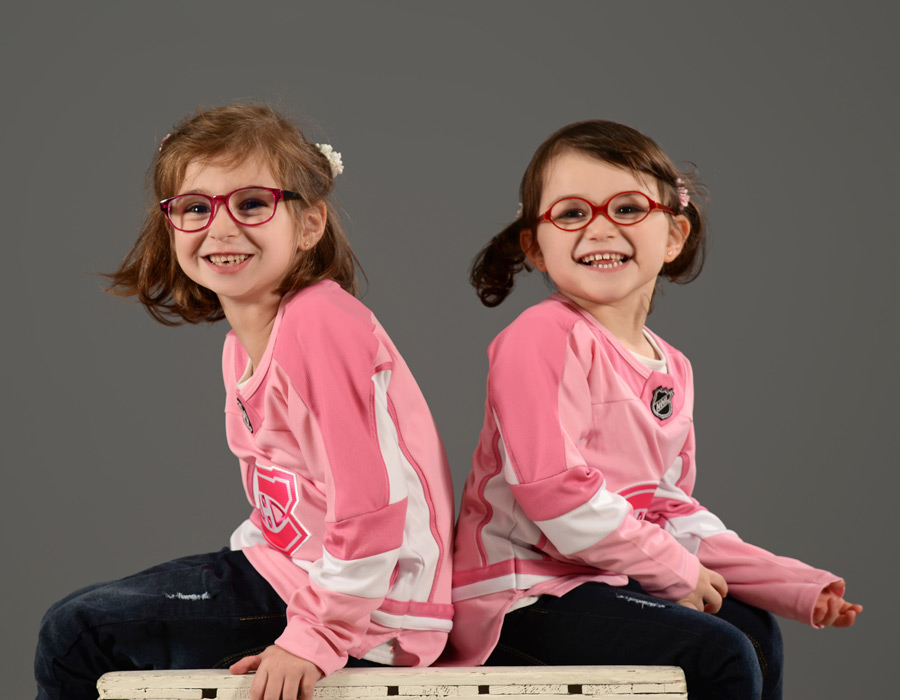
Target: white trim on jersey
<point x="419" y="554"/>
<point x="586" y="525"/>
<point x="691" y="530"/>
<point x="388" y="441"/>
<point x="506" y="582"/>
<point x="411" y="622"/>
<point x="246" y="535"/>
<point x="518" y="535"/>
<point x="366" y="577"/>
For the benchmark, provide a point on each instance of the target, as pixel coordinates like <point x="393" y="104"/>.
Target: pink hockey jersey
<point x="584" y="472"/>
<point x="348" y="479"/>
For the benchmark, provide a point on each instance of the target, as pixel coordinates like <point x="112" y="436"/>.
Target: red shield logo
<point x="276" y="495"/>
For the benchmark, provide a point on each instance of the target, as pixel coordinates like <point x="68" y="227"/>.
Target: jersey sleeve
<point x="340" y="372"/>
<point x="781" y="585"/>
<point x="539" y="393"/>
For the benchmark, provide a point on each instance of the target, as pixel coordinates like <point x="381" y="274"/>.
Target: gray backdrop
<point x="115" y="450"/>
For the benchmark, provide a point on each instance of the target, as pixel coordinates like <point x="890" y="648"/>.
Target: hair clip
<point x="683" y="197"/>
<point x="163" y="141"/>
<point x="333" y="157"/>
<point x="519" y="211"/>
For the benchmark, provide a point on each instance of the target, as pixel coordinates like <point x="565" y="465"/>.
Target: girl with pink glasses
<point x="578" y="540"/>
<point x="345" y="556"/>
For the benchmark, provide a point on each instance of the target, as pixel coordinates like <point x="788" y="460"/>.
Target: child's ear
<point x="312" y="225"/>
<point x="678" y="234"/>
<point x="532" y="250"/>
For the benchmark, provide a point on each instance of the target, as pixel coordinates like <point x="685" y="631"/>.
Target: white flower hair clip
<point x="683" y="197"/>
<point x="519" y="211"/>
<point x="334" y="158"/>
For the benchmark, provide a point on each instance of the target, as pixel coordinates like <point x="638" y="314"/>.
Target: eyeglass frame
<point x="604" y="210"/>
<point x="219" y="199"/>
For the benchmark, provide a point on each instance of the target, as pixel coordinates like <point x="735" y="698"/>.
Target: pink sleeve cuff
<point x="781" y="585"/>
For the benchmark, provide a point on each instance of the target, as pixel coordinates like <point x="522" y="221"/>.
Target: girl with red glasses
<point x="579" y="540"/>
<point x="345" y="556"/>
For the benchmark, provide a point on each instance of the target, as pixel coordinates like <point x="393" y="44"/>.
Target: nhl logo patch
<point x="661" y="402"/>
<point x="244" y="415"/>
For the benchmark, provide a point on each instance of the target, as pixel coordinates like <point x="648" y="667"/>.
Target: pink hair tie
<point x="683" y="197"/>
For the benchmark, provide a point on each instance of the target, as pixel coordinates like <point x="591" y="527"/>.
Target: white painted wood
<point x="509" y="682"/>
<point x="536" y="689"/>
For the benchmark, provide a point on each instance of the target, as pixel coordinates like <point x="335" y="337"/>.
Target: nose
<point x="601" y="228"/>
<point x="221" y="225"/>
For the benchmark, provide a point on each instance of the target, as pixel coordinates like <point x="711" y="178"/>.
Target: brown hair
<point x="496" y="265"/>
<point x="229" y="135"/>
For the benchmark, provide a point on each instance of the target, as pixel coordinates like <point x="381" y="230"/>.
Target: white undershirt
<point x="652" y="363"/>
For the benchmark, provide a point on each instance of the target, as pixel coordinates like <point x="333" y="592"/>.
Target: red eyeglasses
<point x="247" y="206"/>
<point x="623" y="209"/>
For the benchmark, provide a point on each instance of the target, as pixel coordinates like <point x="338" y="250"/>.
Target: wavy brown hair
<point x="496" y="265"/>
<point x="228" y="135"/>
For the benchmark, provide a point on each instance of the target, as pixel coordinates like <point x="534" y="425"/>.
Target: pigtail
<point x="687" y="266"/>
<point x="496" y="265"/>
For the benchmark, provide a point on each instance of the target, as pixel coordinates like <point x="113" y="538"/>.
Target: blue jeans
<point x="202" y="611"/>
<point x="733" y="655"/>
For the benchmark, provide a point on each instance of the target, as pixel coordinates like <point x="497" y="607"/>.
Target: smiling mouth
<point x="604" y="260"/>
<point x="226" y="260"/>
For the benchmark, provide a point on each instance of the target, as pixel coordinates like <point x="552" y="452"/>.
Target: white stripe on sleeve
<point x="368" y="577"/>
<point x="419" y="554"/>
<point x="691" y="529"/>
<point x="586" y="525"/>
<point x="388" y="441"/>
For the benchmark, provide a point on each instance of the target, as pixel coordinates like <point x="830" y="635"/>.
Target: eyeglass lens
<point x="251" y="206"/>
<point x="625" y="208"/>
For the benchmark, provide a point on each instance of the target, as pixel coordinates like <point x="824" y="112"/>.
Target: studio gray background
<point x="115" y="454"/>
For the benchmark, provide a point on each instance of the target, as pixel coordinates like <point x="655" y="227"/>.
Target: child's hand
<point x="279" y="675"/>
<point x="707" y="596"/>
<point x="832" y="610"/>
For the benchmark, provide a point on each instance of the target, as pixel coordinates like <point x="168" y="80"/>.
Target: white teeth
<point x="603" y="260"/>
<point x="227" y="259"/>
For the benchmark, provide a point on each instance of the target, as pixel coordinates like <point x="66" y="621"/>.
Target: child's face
<point x="625" y="280"/>
<point x="242" y="264"/>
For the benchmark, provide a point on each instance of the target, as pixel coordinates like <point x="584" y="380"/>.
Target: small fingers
<point x="847" y="617"/>
<point x="308" y="687"/>
<point x="291" y="689"/>
<point x="712" y="604"/>
<point x="274" y="686"/>
<point x="258" y="687"/>
<point x="245" y="665"/>
<point x="718" y="582"/>
<point x="835" y="605"/>
<point x="688" y="603"/>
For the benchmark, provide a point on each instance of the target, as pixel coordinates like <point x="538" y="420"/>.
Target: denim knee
<point x="63" y="622"/>
<point x="58" y="658"/>
<point x="767" y="642"/>
<point x="728" y="665"/>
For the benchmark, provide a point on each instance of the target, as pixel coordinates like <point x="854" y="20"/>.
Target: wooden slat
<point x="509" y="682"/>
<point x="530" y="689"/>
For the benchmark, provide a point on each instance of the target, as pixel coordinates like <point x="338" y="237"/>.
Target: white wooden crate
<point x="470" y="683"/>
